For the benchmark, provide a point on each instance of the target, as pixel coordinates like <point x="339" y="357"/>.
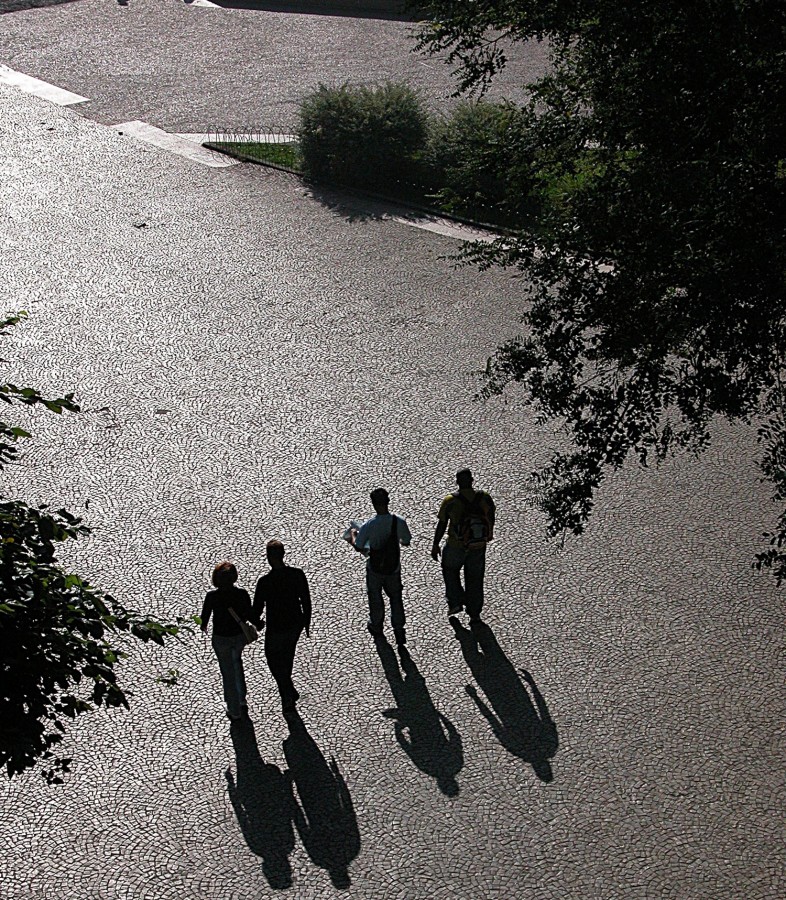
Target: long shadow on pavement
<point x="520" y="722"/>
<point x="353" y="206"/>
<point x="427" y="736"/>
<point x="323" y="811"/>
<point x="262" y="800"/>
<point x="357" y="10"/>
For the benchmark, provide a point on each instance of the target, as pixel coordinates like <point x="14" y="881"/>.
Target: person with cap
<point x="380" y="539"/>
<point x="283" y="596"/>
<point x="468" y="517"/>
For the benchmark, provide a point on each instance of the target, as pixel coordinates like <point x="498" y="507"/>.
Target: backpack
<point x="387" y="558"/>
<point x="474" y="528"/>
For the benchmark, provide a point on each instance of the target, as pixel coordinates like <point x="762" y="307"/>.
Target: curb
<point x="360" y="192"/>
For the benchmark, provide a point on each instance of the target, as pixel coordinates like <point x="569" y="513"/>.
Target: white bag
<point x="250" y="632"/>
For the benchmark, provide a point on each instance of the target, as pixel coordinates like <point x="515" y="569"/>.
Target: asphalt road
<point x="189" y="68"/>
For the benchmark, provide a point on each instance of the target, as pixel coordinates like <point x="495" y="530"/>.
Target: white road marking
<point x="40" y="88"/>
<point x="174" y="143"/>
<point x="447" y="228"/>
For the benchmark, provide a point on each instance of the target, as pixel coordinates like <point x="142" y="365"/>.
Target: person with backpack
<point x="380" y="539"/>
<point x="468" y="517"/>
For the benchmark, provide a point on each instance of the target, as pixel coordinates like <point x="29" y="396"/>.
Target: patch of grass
<point x="279" y="154"/>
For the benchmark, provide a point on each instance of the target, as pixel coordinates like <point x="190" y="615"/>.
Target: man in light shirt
<point x="379" y="539"/>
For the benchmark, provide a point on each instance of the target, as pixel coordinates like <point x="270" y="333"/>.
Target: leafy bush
<point x="480" y="161"/>
<point x="369" y="137"/>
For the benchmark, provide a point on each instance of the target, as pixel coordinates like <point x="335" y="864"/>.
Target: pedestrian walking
<point x="283" y="596"/>
<point x="468" y="517"/>
<point x="228" y="606"/>
<point x="380" y="539"/>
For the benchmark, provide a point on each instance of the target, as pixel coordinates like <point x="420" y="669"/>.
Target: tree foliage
<point x="60" y="637"/>
<point x="658" y="263"/>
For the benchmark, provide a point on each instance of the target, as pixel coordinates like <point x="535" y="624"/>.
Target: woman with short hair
<point x="228" y="638"/>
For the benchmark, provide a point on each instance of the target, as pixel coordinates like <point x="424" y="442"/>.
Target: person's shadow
<point x="518" y="717"/>
<point x="262" y="800"/>
<point x="427" y="736"/>
<point x="323" y="811"/>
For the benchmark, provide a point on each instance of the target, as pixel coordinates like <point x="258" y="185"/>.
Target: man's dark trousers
<point x="280" y="653"/>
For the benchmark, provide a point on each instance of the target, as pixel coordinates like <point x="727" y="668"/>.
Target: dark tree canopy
<point x="658" y="258"/>
<point x="60" y="638"/>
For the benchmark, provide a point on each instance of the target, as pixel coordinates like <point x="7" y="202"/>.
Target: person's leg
<point x="395" y="591"/>
<point x="376" y="606"/>
<point x="280" y="654"/>
<point x="474" y="570"/>
<point x="289" y="645"/>
<point x="224" y="650"/>
<point x="240" y="674"/>
<point x="452" y="561"/>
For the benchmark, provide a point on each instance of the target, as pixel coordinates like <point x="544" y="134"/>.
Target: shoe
<point x="374" y="632"/>
<point x="455" y="608"/>
<point x="401" y="637"/>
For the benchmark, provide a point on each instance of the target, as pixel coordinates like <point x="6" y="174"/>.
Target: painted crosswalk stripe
<point x="40" y="88"/>
<point x="174" y="143"/>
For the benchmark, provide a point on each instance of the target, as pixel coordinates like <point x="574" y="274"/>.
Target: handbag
<point x="250" y="632"/>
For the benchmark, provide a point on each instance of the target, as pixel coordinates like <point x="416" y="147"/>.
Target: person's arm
<point x="442" y="527"/>
<point x="492" y="513"/>
<point x="305" y="602"/>
<point x="439" y="533"/>
<point x="259" y="602"/>
<point x="207" y="608"/>
<point x="404" y="534"/>
<point x="359" y="538"/>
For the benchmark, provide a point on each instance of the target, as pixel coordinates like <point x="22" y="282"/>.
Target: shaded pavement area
<point x="250" y="363"/>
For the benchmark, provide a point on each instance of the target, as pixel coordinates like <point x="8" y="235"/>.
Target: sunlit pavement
<point x="251" y="360"/>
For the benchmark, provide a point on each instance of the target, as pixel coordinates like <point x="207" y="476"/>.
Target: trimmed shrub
<point x="369" y="137"/>
<point x="480" y="161"/>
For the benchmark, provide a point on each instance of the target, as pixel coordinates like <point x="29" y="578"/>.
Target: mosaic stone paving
<point x="186" y="68"/>
<point x="251" y="360"/>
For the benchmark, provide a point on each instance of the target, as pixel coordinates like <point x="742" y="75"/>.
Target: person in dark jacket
<point x="228" y="638"/>
<point x="284" y="598"/>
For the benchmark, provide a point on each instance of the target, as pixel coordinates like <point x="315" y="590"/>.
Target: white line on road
<point x="40" y="88"/>
<point x="174" y="143"/>
<point x="447" y="228"/>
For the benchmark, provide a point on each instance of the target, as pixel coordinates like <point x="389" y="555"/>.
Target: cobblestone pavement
<point x="251" y="362"/>
<point x="188" y="68"/>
